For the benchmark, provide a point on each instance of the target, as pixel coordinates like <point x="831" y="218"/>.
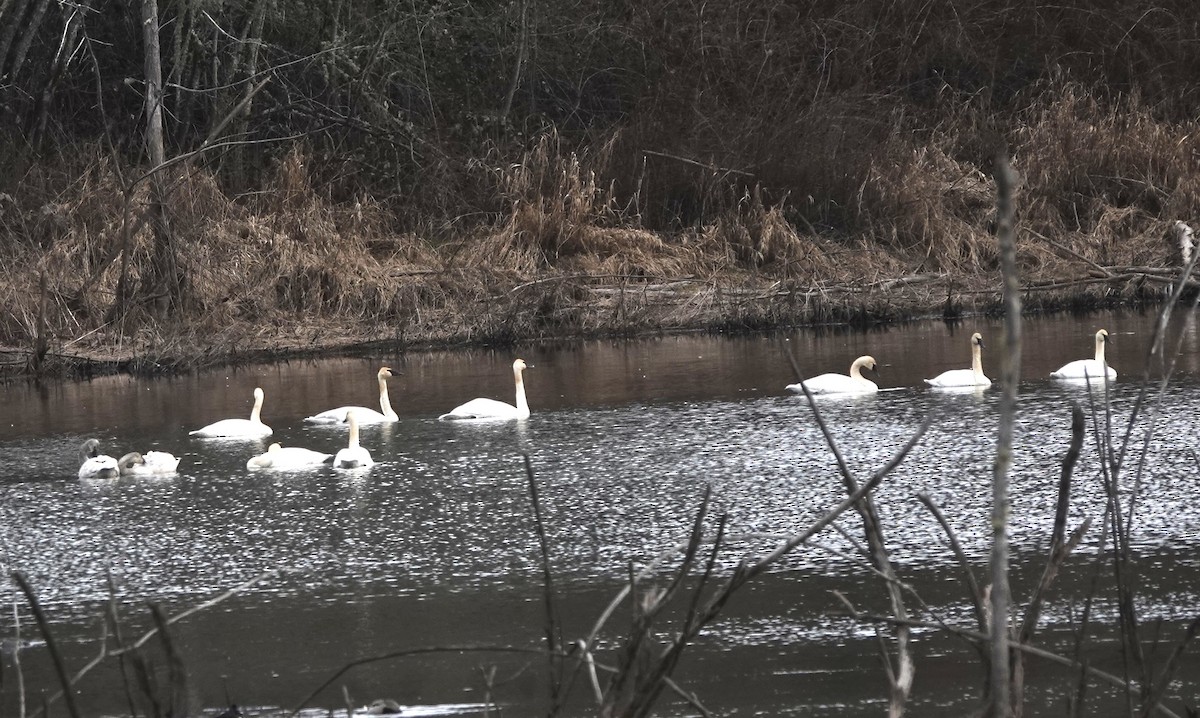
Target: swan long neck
<point x="385" y="402"/>
<point x="353" y="442"/>
<point x="856" y="369"/>
<point x="522" y="402"/>
<point x="256" y="412"/>
<point x="1099" y="347"/>
<point x="976" y="359"/>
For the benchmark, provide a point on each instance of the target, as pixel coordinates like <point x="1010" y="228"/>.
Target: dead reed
<point x="289" y="270"/>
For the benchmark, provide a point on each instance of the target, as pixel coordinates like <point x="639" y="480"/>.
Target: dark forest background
<point x="333" y="158"/>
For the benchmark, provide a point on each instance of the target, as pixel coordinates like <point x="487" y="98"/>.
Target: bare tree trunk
<point x="165" y="286"/>
<point x="26" y="39"/>
<point x="181" y="60"/>
<point x="10" y="20"/>
<point x="522" y="50"/>
<point x="900" y="675"/>
<point x="251" y="44"/>
<point x="155" y="147"/>
<point x="4" y="8"/>
<point x="62" y="57"/>
<point x="1010" y="374"/>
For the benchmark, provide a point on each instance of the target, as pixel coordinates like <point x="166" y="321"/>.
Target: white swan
<point x="151" y="463"/>
<point x="96" y="465"/>
<point x="965" y="377"/>
<point x="292" y="457"/>
<point x="855" y="383"/>
<point x="492" y="409"/>
<point x="362" y="413"/>
<point x="252" y="428"/>
<point x="1095" y="369"/>
<point x="353" y="456"/>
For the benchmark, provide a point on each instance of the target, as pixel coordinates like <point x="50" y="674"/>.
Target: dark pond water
<point x="435" y="545"/>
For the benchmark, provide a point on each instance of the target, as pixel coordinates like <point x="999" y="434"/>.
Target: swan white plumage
<point x="492" y="409"/>
<point x="353" y="456"/>
<point x="965" y="377"/>
<point x="252" y="428"/>
<point x="95" y="465"/>
<point x="1095" y="369"/>
<point x="854" y="383"/>
<point x="362" y="413"/>
<point x="287" y="458"/>
<point x="151" y="463"/>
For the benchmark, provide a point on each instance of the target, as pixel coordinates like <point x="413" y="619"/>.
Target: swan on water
<point x="834" y="383"/>
<point x="95" y="465"/>
<point x="252" y="428"/>
<point x="492" y="409"/>
<point x="965" y="377"/>
<point x="384" y="706"/>
<point x="151" y="463"/>
<point x="1088" y="368"/>
<point x="362" y="413"/>
<point x="353" y="456"/>
<point x="291" y="457"/>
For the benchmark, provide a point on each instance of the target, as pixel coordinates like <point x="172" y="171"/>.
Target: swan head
<point x="130" y="460"/>
<point x="1102" y="336"/>
<point x="977" y="339"/>
<point x="519" y="365"/>
<point x="274" y="447"/>
<point x="258" y="393"/>
<point x="865" y="363"/>
<point x="385" y="372"/>
<point x="90" y="449"/>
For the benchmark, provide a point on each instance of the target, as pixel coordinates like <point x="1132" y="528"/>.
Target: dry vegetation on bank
<point x="747" y="168"/>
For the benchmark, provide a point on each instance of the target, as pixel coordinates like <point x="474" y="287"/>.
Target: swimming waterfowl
<point x="93" y="464"/>
<point x="492" y="409"/>
<point x="965" y="377"/>
<point x="1095" y="369"/>
<point x="151" y="463"/>
<point x="252" y="428"/>
<point x="353" y="456"/>
<point x="362" y="413"/>
<point x="833" y="383"/>
<point x="285" y="458"/>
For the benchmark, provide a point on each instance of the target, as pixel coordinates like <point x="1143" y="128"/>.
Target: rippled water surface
<point x="436" y="544"/>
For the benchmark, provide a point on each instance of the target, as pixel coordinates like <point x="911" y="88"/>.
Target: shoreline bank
<point x="563" y="307"/>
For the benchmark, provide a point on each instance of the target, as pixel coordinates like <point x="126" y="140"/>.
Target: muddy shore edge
<point x="566" y="307"/>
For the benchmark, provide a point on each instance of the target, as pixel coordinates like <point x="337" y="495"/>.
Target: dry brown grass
<point x="924" y="203"/>
<point x="289" y="268"/>
<point x="1107" y="181"/>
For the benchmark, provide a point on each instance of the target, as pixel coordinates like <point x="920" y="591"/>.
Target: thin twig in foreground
<point x="552" y="630"/>
<point x="782" y="549"/>
<point x="132" y="648"/>
<point x="1092" y="671"/>
<point x="1010" y="375"/>
<point x="59" y="667"/>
